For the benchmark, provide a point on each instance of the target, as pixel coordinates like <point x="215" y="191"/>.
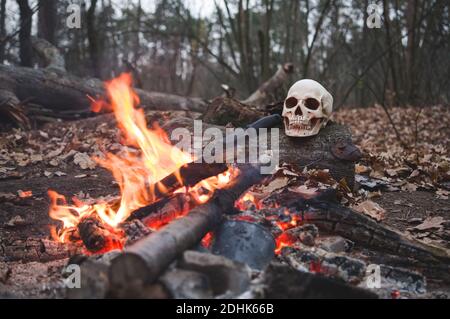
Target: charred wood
<point x="282" y="281"/>
<point x="96" y="235"/>
<point x="149" y="257"/>
<point x="41" y="250"/>
<point x="188" y="175"/>
<point x="363" y="230"/>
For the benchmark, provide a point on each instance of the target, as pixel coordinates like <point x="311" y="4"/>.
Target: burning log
<point x="143" y="261"/>
<point x="188" y="175"/>
<point x="98" y="236"/>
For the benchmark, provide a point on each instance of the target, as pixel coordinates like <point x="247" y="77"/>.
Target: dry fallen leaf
<point x="359" y="169"/>
<point x="305" y="191"/>
<point x="275" y="184"/>
<point x="442" y="194"/>
<point x="371" y="209"/>
<point x="409" y="187"/>
<point x="430" y="223"/>
<point x="84" y="161"/>
<point x="16" y="221"/>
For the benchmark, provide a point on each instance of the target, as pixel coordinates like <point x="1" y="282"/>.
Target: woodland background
<point x="180" y="47"/>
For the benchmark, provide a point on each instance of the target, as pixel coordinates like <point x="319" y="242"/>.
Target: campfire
<point x="140" y="171"/>
<point x="184" y="227"/>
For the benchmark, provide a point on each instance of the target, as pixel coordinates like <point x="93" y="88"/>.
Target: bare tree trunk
<point x="26" y="16"/>
<point x="47" y="18"/>
<point x="316" y="34"/>
<point x="411" y="11"/>
<point x="390" y="52"/>
<point x="2" y="30"/>
<point x="94" y="49"/>
<point x="137" y="44"/>
<point x="265" y="40"/>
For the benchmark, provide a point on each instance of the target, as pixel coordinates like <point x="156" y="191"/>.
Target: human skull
<point x="307" y="108"/>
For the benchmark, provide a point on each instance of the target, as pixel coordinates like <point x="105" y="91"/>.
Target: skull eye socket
<point x="312" y="104"/>
<point x="291" y="102"/>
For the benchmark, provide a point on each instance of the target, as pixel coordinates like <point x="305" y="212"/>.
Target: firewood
<point x="319" y="151"/>
<point x="188" y="175"/>
<point x="335" y="218"/>
<point x="282" y="281"/>
<point x="149" y="257"/>
<point x="98" y="236"/>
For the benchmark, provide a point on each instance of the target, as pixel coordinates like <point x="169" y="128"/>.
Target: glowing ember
<point x="24" y="194"/>
<point x="207" y="240"/>
<point x="137" y="174"/>
<point x="247" y="200"/>
<point x="295" y="220"/>
<point x="283" y="240"/>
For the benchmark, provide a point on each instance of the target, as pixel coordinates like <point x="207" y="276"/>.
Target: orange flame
<point x="137" y="173"/>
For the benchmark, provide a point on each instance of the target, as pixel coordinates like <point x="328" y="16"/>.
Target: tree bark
<point x="2" y="30"/>
<point x="94" y="49"/>
<point x="26" y="16"/>
<point x="223" y="111"/>
<point x="47" y="18"/>
<point x="67" y="95"/>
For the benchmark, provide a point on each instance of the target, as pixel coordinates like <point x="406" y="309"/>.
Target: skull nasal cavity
<point x="312" y="104"/>
<point x="291" y="102"/>
<point x="298" y="111"/>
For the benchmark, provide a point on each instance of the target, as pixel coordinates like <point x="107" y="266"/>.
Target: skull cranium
<point x="307" y="108"/>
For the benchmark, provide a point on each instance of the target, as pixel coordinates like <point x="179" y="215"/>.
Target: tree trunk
<point x="94" y="49"/>
<point x="47" y="18"/>
<point x="410" y="47"/>
<point x="2" y="30"/>
<point x="26" y="17"/>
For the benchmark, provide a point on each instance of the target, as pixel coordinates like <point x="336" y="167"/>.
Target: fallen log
<point x="65" y="93"/>
<point x="264" y="94"/>
<point x="143" y="261"/>
<point x="334" y="218"/>
<point x="224" y="111"/>
<point x="331" y="149"/>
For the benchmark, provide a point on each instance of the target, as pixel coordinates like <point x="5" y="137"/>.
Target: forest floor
<point x="404" y="186"/>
